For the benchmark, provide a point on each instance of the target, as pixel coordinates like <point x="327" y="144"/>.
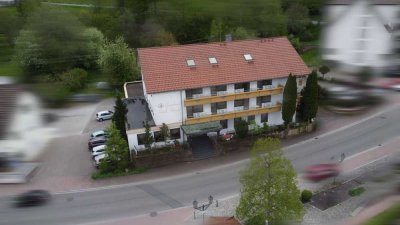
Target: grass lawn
<point x="9" y="69"/>
<point x="312" y="58"/>
<point x="386" y="217"/>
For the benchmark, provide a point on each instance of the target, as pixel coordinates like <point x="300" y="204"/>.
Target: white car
<point x="99" y="133"/>
<point x="104" y="115"/>
<point x="98" y="150"/>
<point x="98" y="159"/>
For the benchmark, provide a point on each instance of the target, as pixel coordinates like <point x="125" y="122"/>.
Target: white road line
<point x="222" y="166"/>
<point x="345" y="127"/>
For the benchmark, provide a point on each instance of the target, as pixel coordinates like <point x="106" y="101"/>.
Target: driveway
<point x="66" y="161"/>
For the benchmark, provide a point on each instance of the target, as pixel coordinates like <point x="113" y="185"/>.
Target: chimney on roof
<point x="228" y="37"/>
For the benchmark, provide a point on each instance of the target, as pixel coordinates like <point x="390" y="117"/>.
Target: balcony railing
<point x="224" y="96"/>
<point x="240" y="111"/>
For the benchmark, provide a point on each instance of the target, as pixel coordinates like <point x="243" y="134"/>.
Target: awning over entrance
<point x="201" y="128"/>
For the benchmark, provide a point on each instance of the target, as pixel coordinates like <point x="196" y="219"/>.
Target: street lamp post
<point x="203" y="207"/>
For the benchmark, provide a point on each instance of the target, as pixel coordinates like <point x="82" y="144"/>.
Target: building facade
<point x="359" y="34"/>
<point x="200" y="88"/>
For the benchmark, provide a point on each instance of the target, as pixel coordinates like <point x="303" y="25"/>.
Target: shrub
<point x="356" y="191"/>
<point x="306" y="196"/>
<point x="241" y="128"/>
<point x="74" y="79"/>
<point x="265" y="128"/>
<point x="101" y="175"/>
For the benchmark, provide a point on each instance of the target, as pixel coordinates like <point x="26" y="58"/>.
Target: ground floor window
<point x="140" y="138"/>
<point x="264" y="118"/>
<point x="158" y="137"/>
<point x="224" y="124"/>
<point x="175" y="133"/>
<point x="236" y="121"/>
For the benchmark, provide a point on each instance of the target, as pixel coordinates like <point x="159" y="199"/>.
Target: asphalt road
<point x="136" y="199"/>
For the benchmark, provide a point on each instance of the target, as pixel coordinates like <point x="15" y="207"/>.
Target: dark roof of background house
<point x="165" y="68"/>
<point x="8" y="96"/>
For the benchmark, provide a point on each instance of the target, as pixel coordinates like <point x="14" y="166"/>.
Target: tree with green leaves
<point x="118" y="61"/>
<point x="297" y="18"/>
<point x="270" y="19"/>
<point x="269" y="189"/>
<point x="241" y="128"/>
<point x="26" y="7"/>
<point x="217" y="31"/>
<point x="119" y="117"/>
<point x="241" y="33"/>
<point x="309" y="104"/>
<point x="324" y="70"/>
<point x="116" y="152"/>
<point x="164" y="130"/>
<point x="148" y="137"/>
<point x="53" y="41"/>
<point x="289" y="100"/>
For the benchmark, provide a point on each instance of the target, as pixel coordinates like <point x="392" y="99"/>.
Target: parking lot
<point x="67" y="158"/>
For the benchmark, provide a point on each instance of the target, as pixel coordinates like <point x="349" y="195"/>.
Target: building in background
<point x="359" y="36"/>
<point x="201" y="88"/>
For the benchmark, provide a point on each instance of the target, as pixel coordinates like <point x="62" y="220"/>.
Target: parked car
<point x="104" y="115"/>
<point x="96" y="142"/>
<point x="99" y="133"/>
<point x="322" y="171"/>
<point x="98" y="150"/>
<point x="32" y="198"/>
<point x="98" y="159"/>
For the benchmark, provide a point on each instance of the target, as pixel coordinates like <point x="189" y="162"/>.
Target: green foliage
<point x="324" y="69"/>
<point x="269" y="190"/>
<point x="266" y="128"/>
<point x="164" y="130"/>
<point x="117" y="157"/>
<point x="53" y="94"/>
<point x="118" y="61"/>
<point x="148" y="137"/>
<point x="94" y="40"/>
<point x="100" y="175"/>
<point x="271" y="20"/>
<point x="241" y="128"/>
<point x="26" y="7"/>
<point x="309" y="104"/>
<point x="217" y="31"/>
<point x="356" y="191"/>
<point x="389" y="216"/>
<point x="297" y="18"/>
<point x="119" y="117"/>
<point x="295" y="41"/>
<point x="306" y="196"/>
<point x="10" y="24"/>
<point x="74" y="79"/>
<point x="241" y="33"/>
<point x="54" y="41"/>
<point x="289" y="99"/>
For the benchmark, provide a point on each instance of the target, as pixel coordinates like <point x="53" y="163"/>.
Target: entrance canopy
<point x="201" y="128"/>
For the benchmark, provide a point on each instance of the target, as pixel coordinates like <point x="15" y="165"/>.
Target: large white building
<point x="360" y="34"/>
<point x="201" y="88"/>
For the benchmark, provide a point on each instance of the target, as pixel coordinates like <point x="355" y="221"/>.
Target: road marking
<point x="345" y="127"/>
<point x="222" y="166"/>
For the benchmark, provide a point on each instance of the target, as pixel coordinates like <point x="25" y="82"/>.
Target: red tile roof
<point x="165" y="68"/>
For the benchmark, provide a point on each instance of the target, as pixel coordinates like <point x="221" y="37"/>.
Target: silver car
<point x="104" y="115"/>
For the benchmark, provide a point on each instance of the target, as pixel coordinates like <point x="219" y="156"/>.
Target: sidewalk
<point x="329" y="122"/>
<point x="227" y="206"/>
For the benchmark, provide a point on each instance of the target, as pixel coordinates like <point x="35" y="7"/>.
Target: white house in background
<point x="201" y="88"/>
<point x="359" y="34"/>
<point x="22" y="130"/>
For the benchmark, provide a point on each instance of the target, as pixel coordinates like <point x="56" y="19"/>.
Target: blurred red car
<point x="322" y="171"/>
